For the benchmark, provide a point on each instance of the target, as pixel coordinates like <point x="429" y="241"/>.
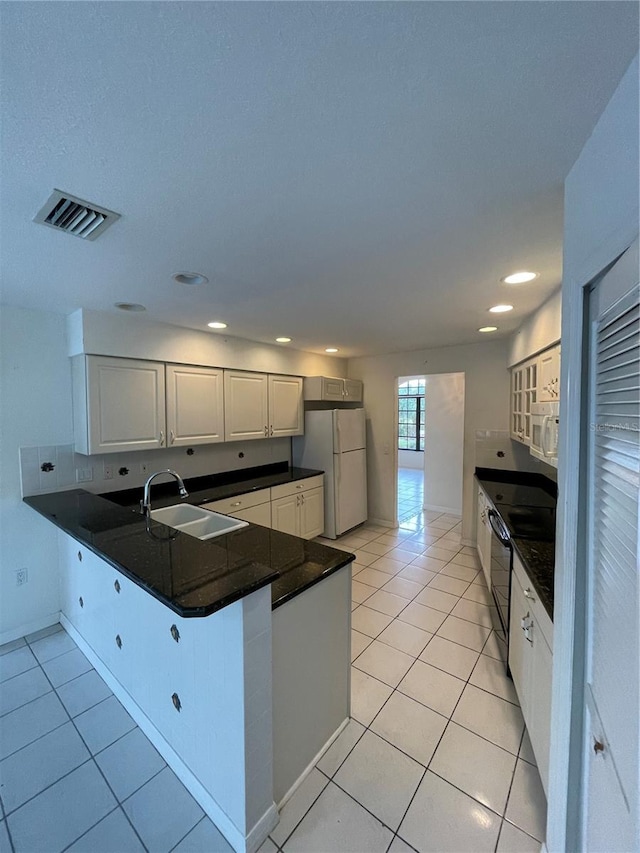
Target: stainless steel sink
<point x="197" y="522"/>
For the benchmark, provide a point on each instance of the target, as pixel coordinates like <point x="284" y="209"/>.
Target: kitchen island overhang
<point x="181" y="630"/>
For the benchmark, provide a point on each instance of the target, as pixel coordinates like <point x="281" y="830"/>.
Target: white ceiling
<point x="349" y="174"/>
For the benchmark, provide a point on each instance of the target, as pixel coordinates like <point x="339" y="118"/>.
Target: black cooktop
<point x="530" y="522"/>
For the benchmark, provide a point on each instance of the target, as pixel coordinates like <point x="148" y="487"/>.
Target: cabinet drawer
<point x="230" y="506"/>
<point x="296" y="487"/>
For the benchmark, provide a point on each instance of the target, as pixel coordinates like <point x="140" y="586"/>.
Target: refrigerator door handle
<point x="336" y="457"/>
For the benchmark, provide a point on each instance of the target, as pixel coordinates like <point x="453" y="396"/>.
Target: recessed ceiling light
<point x="520" y="277"/>
<point x="501" y="309"/>
<point x="283" y="340"/>
<point x="331" y="349"/>
<point x="130" y="306"/>
<point x="217" y="325"/>
<point x="190" y="278"/>
<point x="488" y="329"/>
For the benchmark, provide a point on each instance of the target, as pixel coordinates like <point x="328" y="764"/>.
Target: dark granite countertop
<point x="194" y="578"/>
<point x="214" y="487"/>
<point x="509" y="489"/>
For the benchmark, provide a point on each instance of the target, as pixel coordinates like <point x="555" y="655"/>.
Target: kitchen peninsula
<point x="232" y="654"/>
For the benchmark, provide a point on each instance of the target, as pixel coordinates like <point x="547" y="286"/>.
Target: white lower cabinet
<point x="531" y="663"/>
<point x="298" y="508"/>
<point x="254" y="507"/>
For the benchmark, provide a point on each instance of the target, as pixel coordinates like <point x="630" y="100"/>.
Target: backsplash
<point x="112" y="472"/>
<point x="495" y="449"/>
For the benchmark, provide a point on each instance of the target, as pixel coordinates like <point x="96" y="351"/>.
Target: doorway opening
<point x="410" y="413"/>
<point x="430" y="443"/>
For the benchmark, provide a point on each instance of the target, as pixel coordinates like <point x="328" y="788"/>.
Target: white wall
<point x="444" y="441"/>
<point x="601" y="220"/>
<point x="35" y="387"/>
<point x="486" y="408"/>
<point x="539" y="331"/>
<point x="135" y="336"/>
<point x="411" y="459"/>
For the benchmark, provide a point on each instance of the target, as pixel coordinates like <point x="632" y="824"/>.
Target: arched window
<point x="411" y="411"/>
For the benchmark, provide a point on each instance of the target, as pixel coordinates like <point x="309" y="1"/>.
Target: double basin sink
<point x="197" y="522"/>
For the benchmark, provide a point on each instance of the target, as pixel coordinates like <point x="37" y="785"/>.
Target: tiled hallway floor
<point x="434" y="759"/>
<point x="410" y="492"/>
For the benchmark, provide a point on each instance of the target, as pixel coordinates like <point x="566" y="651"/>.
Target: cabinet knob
<point x="118" y="641"/>
<point x="271" y="429"/>
<point x="177" y="704"/>
<point x="80" y="556"/>
<point x="81" y="602"/>
<point x="266" y="431"/>
<point x="172" y="436"/>
<point x="237" y="503"/>
<point x="528" y="594"/>
<point x="161" y="438"/>
<point x="116" y="586"/>
<point x="175" y="633"/>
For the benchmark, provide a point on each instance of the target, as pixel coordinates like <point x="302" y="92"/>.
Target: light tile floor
<point x="435" y="757"/>
<point x="410" y="492"/>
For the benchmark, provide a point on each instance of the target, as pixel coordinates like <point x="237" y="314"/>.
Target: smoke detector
<point x="65" y="212"/>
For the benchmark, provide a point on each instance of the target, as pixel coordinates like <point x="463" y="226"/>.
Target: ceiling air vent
<point x="75" y="216"/>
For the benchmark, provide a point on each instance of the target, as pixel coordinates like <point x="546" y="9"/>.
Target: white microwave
<point x="545" y="423"/>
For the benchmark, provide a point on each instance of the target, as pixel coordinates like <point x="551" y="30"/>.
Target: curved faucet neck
<point x="145" y="503"/>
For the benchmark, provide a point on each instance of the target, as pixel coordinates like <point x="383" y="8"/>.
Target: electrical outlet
<point x="107" y="473"/>
<point x="84" y="475"/>
<point x="22" y="576"/>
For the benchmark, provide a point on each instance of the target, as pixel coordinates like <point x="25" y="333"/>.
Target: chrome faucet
<point x="145" y="503"/>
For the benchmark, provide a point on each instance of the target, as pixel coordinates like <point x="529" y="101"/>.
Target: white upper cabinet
<point x="119" y="404"/>
<point x="286" y="411"/>
<point x="332" y="389"/>
<point x="246" y="407"/>
<point x="353" y="391"/>
<point x="260" y="405"/>
<point x="549" y="368"/>
<point x="195" y="405"/>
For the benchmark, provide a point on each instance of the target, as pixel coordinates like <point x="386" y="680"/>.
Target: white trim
<point x="29" y="627"/>
<point x="313" y="763"/>
<point x="382" y="522"/>
<point x="448" y="509"/>
<point x="568" y="646"/>
<point x="234" y="836"/>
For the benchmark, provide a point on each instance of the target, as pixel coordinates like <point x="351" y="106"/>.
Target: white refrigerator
<point x="334" y="441"/>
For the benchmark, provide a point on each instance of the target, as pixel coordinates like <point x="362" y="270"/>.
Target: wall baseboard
<point x="29" y="627"/>
<point x="450" y="509"/>
<point x="383" y="522"/>
<point x="234" y="836"/>
<point x="312" y="764"/>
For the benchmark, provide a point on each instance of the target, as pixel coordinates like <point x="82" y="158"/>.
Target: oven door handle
<point x="496" y="522"/>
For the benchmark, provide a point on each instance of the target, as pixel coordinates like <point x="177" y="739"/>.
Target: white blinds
<point x="614" y="662"/>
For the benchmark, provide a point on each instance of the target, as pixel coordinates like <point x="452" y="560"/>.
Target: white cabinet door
<point x="195" y="404"/>
<point x="549" y="375"/>
<point x="286" y="410"/>
<point x="312" y="513"/>
<point x="122" y="404"/>
<point x="353" y="390"/>
<point x="246" y="413"/>
<point x="285" y="514"/>
<point x="517" y="404"/>
<point x="531" y="663"/>
<point x="327" y="388"/>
